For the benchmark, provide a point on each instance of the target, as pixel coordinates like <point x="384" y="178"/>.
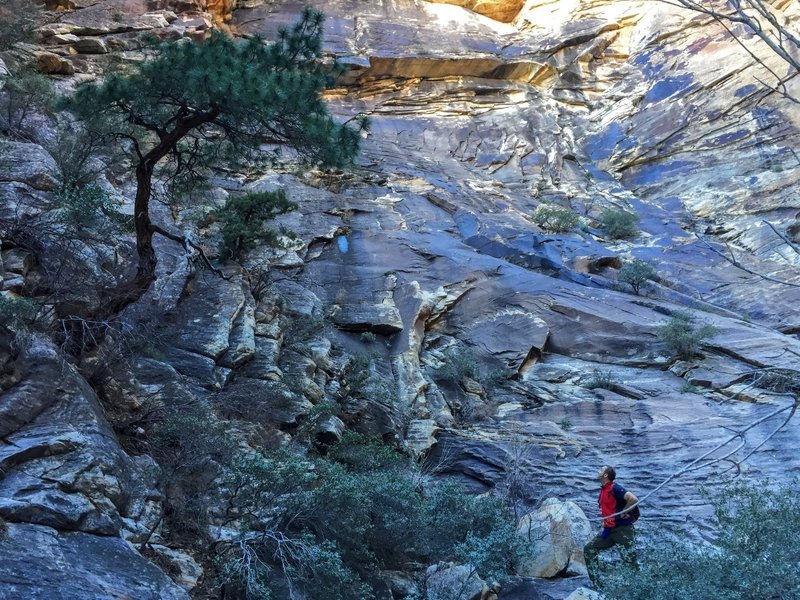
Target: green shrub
<point x="25" y="91"/>
<point x="218" y="101"/>
<point x="87" y="205"/>
<point x="554" y="219"/>
<point x="362" y="380"/>
<point x="303" y="330"/>
<point x="82" y="155"/>
<point x="565" y="423"/>
<point x="243" y="219"/>
<point x="636" y="274"/>
<point x="754" y="557"/>
<point x="192" y="449"/>
<point x="490" y="542"/>
<point x="500" y="377"/>
<point x="328" y="522"/>
<point x="17" y="311"/>
<point x="601" y="379"/>
<point x="683" y="336"/>
<point x="458" y="364"/>
<point x="619" y="224"/>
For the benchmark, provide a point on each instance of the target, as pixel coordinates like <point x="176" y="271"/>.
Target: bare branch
<point x="782" y="42"/>
<point x="732" y="259"/>
<point x="738" y="434"/>
<point x="738" y="463"/>
<point x="782" y="236"/>
<point x="188" y="243"/>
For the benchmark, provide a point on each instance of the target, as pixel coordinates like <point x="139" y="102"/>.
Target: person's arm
<point x="630" y="500"/>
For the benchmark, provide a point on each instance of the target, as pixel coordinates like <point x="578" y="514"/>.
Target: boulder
<point x="330" y="430"/>
<point x="445" y="579"/>
<point x="53" y="64"/>
<point x="557" y="532"/>
<point x="29" y="164"/>
<point x="90" y="45"/>
<point x="184" y="569"/>
<point x="64" y="38"/>
<point x="583" y="593"/>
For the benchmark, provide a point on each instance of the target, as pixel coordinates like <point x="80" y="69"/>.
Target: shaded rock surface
<point x="28" y="164"/>
<point x="62" y="465"/>
<point x="40" y="562"/>
<point x="69" y="492"/>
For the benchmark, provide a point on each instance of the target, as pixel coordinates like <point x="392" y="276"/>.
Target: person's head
<point x="606" y="474"/>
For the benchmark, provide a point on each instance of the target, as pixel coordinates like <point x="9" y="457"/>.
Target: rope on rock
<point x="693" y="466"/>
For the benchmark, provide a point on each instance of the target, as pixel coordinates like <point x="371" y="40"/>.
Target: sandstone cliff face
<point x="475" y="122"/>
<point x="481" y="112"/>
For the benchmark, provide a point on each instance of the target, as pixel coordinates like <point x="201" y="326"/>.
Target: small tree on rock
<point x="619" y="224"/>
<point x="554" y="219"/>
<point x="243" y="217"/>
<point x="684" y="336"/>
<point x="195" y="103"/>
<point x="636" y="274"/>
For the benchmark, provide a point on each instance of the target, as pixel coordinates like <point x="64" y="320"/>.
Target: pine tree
<point x="192" y="103"/>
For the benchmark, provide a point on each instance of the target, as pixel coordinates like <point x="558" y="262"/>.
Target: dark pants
<point x="623" y="537"/>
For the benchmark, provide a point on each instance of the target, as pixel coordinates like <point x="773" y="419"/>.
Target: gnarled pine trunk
<point x="130" y="291"/>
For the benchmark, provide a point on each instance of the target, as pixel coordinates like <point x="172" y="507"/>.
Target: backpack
<point x="634" y="514"/>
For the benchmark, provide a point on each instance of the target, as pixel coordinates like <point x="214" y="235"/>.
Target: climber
<point x="617" y="528"/>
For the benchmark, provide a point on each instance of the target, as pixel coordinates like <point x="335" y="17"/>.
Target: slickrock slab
<point x="40" y="562"/>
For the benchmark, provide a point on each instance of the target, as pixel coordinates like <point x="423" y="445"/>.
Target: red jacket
<point x="612" y="500"/>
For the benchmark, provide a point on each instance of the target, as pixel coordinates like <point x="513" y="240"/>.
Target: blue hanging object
<point x="343" y="244"/>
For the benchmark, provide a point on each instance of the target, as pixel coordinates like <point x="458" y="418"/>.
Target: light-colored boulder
<point x="90" y="45"/>
<point x="29" y="164"/>
<point x="557" y="532"/>
<point x="53" y="64"/>
<point x="454" y="582"/>
<point x="64" y="38"/>
<point x="187" y="572"/>
<point x="583" y="593"/>
<point x="421" y="436"/>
